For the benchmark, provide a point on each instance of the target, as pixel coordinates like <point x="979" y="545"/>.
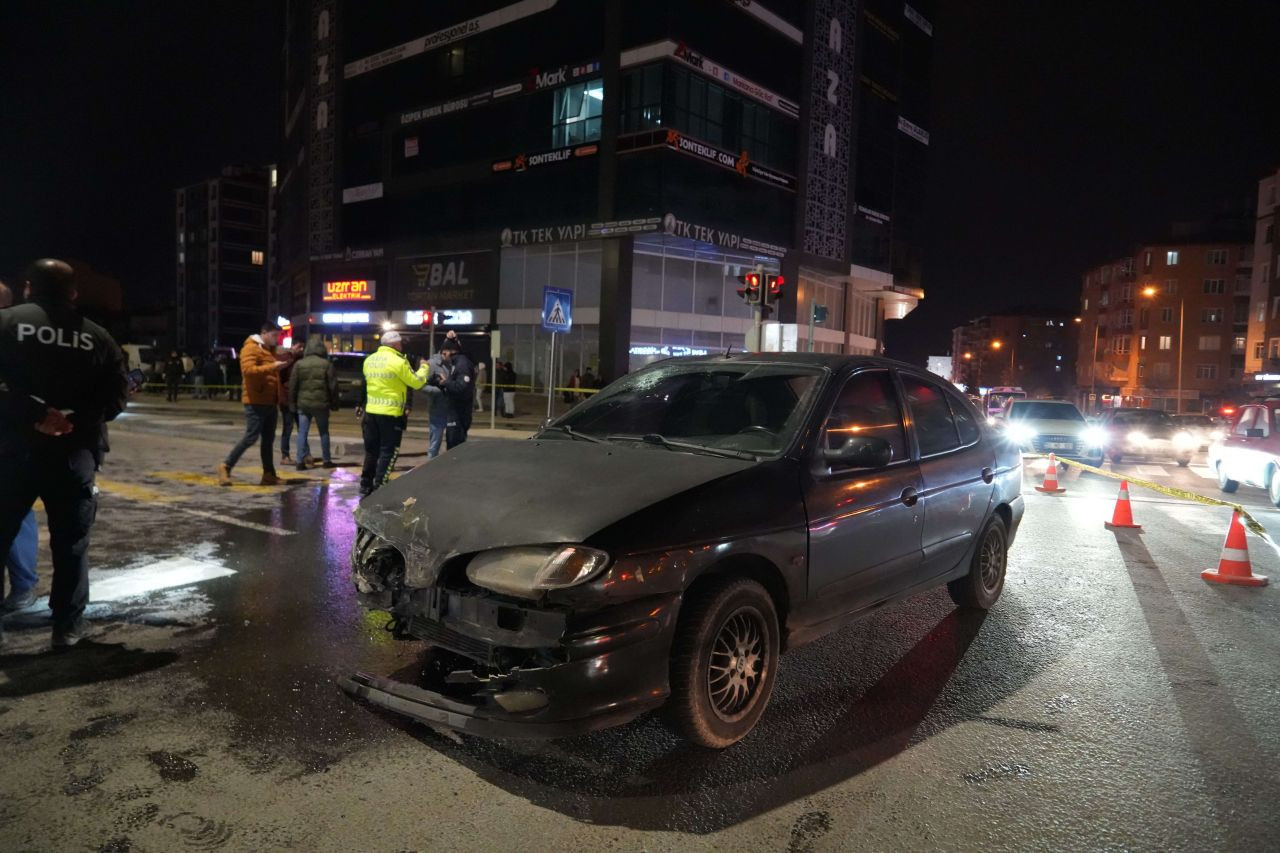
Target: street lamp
<point x="1149" y="292"/>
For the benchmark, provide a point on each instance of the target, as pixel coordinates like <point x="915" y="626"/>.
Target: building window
<point x="1126" y="292"/>
<point x="1106" y="275"/>
<point x="1106" y="298"/>
<point x="1210" y="342"/>
<point x="1120" y="344"/>
<point x="576" y="113"/>
<point x="1142" y="369"/>
<point x="1166" y="315"/>
<point x="1240" y="313"/>
<point x="1142" y="342"/>
<point x="1206" y="371"/>
<point x="1160" y="370"/>
<point x="1126" y="317"/>
<point x="1086" y="304"/>
<point x="642" y="99"/>
<point x="1170" y="286"/>
<point x="1237" y="344"/>
<point x="1269" y="235"/>
<point x="1215" y="285"/>
<point x="257" y="257"/>
<point x="1166" y="342"/>
<point x="1242" y="284"/>
<point x="1259" y="349"/>
<point x="1217" y="257"/>
<point x="1146" y="262"/>
<point x="1171" y="258"/>
<point x="1262" y="312"/>
<point x="1211" y="315"/>
<point x="1274" y="348"/>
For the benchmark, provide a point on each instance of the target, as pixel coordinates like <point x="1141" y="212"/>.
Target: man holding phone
<point x="63" y="378"/>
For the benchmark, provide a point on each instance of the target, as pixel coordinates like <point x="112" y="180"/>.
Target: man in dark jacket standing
<point x="63" y="378"/>
<point x="459" y="390"/>
<point x="173" y="370"/>
<point x="313" y="393"/>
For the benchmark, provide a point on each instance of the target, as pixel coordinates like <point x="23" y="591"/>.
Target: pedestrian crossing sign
<point x="557" y="309"/>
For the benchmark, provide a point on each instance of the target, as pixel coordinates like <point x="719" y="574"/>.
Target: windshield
<point x="1152" y="418"/>
<point x="995" y="402"/>
<point x="1193" y="420"/>
<point x="755" y="408"/>
<point x="1044" y="411"/>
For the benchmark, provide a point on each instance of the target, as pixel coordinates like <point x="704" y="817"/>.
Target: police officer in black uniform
<point x="62" y="378"/>
<point x="459" y="390"/>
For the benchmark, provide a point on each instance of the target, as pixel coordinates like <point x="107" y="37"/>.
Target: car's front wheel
<point x="1184" y="461"/>
<point x="1273" y="487"/>
<point x="980" y="589"/>
<point x="723" y="662"/>
<point x="1225" y="483"/>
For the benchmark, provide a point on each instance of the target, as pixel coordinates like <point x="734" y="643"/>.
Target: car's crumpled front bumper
<point x="502" y="668"/>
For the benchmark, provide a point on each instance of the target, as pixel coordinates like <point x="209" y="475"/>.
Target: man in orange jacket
<point x="260" y="393"/>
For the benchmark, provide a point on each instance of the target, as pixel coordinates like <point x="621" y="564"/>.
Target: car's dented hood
<point x="505" y="493"/>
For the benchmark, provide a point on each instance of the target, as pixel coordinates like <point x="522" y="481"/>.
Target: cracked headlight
<point x="528" y="571"/>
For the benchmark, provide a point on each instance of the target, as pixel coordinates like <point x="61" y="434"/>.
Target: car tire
<point x="714" y="701"/>
<point x="1225" y="483"/>
<point x="1117" y="458"/>
<point x="1273" y="487"/>
<point x="981" y="587"/>
<point x="1184" y="462"/>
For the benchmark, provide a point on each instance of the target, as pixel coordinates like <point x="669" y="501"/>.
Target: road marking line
<point x="226" y="519"/>
<point x="117" y="585"/>
<point x="142" y="494"/>
<point x="132" y="492"/>
<point x="1204" y="471"/>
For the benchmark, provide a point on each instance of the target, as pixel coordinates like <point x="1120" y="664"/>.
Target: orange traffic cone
<point x="1123" y="515"/>
<point x="1051" y="478"/>
<point x="1234" y="566"/>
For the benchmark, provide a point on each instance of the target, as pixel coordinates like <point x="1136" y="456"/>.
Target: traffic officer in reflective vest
<point x="63" y="378"/>
<point x="387" y="380"/>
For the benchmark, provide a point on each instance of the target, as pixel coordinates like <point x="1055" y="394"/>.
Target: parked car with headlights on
<point x="1052" y="426"/>
<point x="1250" y="451"/>
<point x="1206" y="429"/>
<point x="664" y="541"/>
<point x="1148" y="434"/>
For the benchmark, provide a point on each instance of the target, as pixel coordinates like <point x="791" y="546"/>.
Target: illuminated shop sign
<point x="665" y="351"/>
<point x="443" y="317"/>
<point x="739" y="162"/>
<point x="534" y="82"/>
<point x="352" y="290"/>
<point x="520" y="162"/>
<point x="577" y="231"/>
<point x="344" y="318"/>
<point x="703" y="65"/>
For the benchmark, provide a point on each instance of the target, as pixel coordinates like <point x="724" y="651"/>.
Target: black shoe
<point x="330" y="465"/>
<point x="66" y="636"/>
<point x="15" y="601"/>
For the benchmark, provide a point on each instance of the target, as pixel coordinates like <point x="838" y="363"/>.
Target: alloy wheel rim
<point x="991" y="561"/>
<point x="739" y="657"/>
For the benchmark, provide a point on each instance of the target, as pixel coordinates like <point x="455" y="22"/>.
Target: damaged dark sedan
<point x="665" y="541"/>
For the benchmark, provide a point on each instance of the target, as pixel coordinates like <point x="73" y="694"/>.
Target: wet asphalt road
<point x="1112" y="700"/>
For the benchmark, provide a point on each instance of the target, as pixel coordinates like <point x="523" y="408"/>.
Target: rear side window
<point x="935" y="428"/>
<point x="965" y="422"/>
<point x="1246" y="421"/>
<point x="868" y="405"/>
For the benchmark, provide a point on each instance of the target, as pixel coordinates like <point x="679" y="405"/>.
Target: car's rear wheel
<point x="723" y="662"/>
<point x="980" y="589"/>
<point x="1116" y="458"/>
<point x="1225" y="483"/>
<point x="1184" y="461"/>
<point x="1273" y="486"/>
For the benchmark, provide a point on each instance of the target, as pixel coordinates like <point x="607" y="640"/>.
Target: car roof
<point x="831" y="361"/>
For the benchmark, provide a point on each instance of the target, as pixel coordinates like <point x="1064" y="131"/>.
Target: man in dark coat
<point x="173" y="370"/>
<point x="313" y="393"/>
<point x="459" y="389"/>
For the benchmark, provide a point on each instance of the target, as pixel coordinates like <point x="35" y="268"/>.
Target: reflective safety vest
<point x="387" y="375"/>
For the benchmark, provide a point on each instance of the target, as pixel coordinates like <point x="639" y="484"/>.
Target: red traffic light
<point x="750" y="290"/>
<point x="775" y="285"/>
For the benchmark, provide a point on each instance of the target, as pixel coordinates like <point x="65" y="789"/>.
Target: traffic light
<point x="773" y="284"/>
<point x="428" y="319"/>
<point x="750" y="290"/>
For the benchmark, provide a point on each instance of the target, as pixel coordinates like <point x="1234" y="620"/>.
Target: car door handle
<point x="988" y="475"/>
<point x="909" y="497"/>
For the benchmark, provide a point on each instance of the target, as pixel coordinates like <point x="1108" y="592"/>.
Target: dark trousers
<point x="288" y="419"/>
<point x="458" y="428"/>
<point x="63" y="478"/>
<point x="260" y="426"/>
<point x="382" y="434"/>
<point x="171" y="387"/>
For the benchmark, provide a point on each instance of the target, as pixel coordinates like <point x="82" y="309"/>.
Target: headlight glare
<point x="527" y="572"/>
<point x="1020" y="433"/>
<point x="1094" y="436"/>
<point x="1184" y="440"/>
<point x="1137" y="438"/>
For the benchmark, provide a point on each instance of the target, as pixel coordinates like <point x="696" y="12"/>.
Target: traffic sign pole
<point x="551" y="375"/>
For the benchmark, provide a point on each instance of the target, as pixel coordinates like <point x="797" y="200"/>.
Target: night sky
<point x="1060" y="135"/>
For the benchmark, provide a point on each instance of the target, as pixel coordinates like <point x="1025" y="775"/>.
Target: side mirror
<point x="1253" y="433"/>
<point x="860" y="451"/>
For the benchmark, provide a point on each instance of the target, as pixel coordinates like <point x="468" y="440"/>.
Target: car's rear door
<point x="1240" y="457"/>
<point x="864" y="524"/>
<point x="957" y="466"/>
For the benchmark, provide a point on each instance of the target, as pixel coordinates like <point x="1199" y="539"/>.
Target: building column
<point x="616" y="262"/>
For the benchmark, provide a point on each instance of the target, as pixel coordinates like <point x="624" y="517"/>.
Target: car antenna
<point x="728" y="350"/>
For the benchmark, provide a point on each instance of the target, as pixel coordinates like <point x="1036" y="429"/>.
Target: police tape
<point x="1249" y="521"/>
